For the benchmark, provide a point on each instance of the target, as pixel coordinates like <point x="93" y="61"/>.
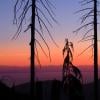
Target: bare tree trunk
<point x="95" y="53"/>
<point x="32" y="62"/>
<point x="20" y="12"/>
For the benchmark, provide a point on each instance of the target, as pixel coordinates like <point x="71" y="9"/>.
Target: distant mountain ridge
<point x="21" y="75"/>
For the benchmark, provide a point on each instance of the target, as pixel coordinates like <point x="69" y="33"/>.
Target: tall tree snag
<point x="91" y="12"/>
<point x="21" y="8"/>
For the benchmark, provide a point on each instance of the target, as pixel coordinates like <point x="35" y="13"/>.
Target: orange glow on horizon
<point x="57" y="57"/>
<point x="14" y="55"/>
<point x="17" y="56"/>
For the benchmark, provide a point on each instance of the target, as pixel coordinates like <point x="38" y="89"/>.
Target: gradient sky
<point x="17" y="52"/>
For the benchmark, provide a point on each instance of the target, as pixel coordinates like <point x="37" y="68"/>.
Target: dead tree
<point x="68" y="67"/>
<point x="32" y="61"/>
<point x="72" y="77"/>
<point x="91" y="12"/>
<point x="21" y="8"/>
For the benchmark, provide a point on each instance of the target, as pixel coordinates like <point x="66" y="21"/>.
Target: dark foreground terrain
<point x="45" y="90"/>
<point x="7" y="93"/>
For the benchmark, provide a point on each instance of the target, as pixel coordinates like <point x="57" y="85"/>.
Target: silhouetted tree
<point x="68" y="67"/>
<point x="91" y="13"/>
<point x="72" y="77"/>
<point x="36" y="8"/>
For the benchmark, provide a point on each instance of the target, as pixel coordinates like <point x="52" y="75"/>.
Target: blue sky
<point x="68" y="22"/>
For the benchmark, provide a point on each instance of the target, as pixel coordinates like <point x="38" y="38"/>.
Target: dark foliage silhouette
<point x="72" y="77"/>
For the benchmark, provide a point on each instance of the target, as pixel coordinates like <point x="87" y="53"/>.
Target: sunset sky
<point x="17" y="52"/>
